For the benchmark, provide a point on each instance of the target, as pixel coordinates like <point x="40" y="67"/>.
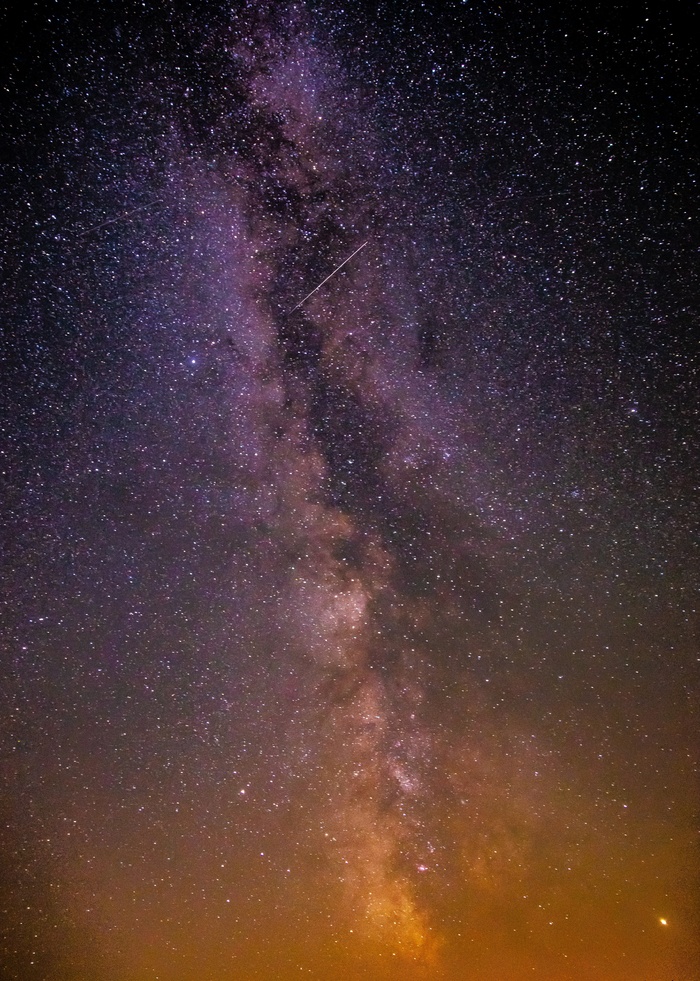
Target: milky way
<point x="349" y="449"/>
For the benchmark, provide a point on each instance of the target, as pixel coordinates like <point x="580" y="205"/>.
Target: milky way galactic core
<point x="349" y="448"/>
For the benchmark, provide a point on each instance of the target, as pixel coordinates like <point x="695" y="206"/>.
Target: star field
<point x="349" y="467"/>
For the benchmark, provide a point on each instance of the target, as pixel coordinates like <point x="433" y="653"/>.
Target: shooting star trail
<point x="330" y="276"/>
<point x="579" y="192"/>
<point x="121" y="217"/>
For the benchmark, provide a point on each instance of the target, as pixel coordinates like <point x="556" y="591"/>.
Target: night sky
<point x="349" y="633"/>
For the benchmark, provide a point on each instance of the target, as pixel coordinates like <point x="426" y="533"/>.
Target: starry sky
<point x="348" y="632"/>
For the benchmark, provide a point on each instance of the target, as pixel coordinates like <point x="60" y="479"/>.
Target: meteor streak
<point x="121" y="217"/>
<point x="330" y="276"/>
